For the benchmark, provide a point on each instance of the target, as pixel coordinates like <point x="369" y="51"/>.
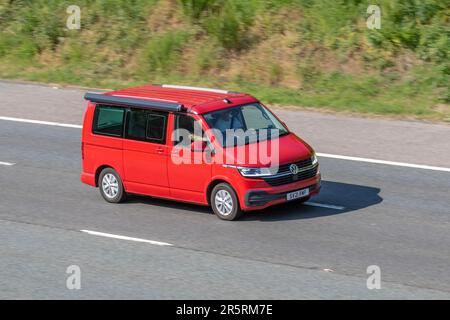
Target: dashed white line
<point x="6" y="163"/>
<point x="323" y="205"/>
<point x="324" y="155"/>
<point x="391" y="163"/>
<point x="47" y="123"/>
<point x="115" y="236"/>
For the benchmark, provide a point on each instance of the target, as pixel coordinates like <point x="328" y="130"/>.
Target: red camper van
<point x="197" y="145"/>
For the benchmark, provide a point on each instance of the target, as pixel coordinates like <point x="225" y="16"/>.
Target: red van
<point x="205" y="146"/>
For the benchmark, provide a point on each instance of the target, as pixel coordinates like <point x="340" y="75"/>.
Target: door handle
<point x="160" y="150"/>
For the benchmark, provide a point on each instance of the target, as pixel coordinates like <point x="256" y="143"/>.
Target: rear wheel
<point x="225" y="203"/>
<point x="110" y="185"/>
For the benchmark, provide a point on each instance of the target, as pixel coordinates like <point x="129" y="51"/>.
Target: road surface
<point x="394" y="217"/>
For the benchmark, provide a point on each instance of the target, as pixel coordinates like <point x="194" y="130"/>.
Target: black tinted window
<point x="137" y="124"/>
<point x="187" y="130"/>
<point x="108" y="121"/>
<point x="156" y="127"/>
<point x="147" y="126"/>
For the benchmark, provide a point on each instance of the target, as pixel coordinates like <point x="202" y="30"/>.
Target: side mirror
<point x="199" y="146"/>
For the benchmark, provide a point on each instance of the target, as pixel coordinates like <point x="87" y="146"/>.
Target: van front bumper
<point x="255" y="199"/>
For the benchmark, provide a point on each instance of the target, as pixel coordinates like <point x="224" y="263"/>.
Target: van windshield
<point x="244" y="124"/>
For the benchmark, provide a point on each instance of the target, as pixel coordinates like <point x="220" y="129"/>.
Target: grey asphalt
<point x="401" y="141"/>
<point x="396" y="218"/>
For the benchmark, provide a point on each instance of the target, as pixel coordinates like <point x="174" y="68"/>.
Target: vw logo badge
<point x="293" y="168"/>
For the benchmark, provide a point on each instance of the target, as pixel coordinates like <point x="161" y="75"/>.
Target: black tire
<point x="235" y="212"/>
<point x="114" y="197"/>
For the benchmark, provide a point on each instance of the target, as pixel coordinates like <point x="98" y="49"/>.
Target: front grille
<point x="300" y="164"/>
<point x="284" y="176"/>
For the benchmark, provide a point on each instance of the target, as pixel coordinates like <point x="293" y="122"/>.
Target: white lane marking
<point x="115" y="236"/>
<point x="323" y="205"/>
<point x="324" y="155"/>
<point x="6" y="163"/>
<point x="47" y="123"/>
<point x="390" y="163"/>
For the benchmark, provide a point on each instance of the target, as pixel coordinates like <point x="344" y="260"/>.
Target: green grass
<point x="308" y="53"/>
<point x="373" y="95"/>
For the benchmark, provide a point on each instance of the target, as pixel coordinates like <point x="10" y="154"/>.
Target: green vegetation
<point x="288" y="52"/>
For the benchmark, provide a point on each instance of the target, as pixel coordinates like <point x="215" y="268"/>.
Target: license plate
<point x="297" y="194"/>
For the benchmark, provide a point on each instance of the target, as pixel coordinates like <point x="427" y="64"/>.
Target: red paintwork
<point x="147" y="169"/>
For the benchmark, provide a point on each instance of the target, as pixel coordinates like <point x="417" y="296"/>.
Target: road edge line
<point x="47" y="123"/>
<point x="386" y="162"/>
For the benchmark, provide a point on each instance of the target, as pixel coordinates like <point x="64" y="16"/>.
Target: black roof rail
<point x="134" y="102"/>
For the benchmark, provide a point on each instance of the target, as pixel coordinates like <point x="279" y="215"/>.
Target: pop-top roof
<point x="169" y="97"/>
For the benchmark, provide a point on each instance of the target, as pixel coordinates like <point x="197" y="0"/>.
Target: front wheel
<point x="110" y="185"/>
<point x="225" y="203"/>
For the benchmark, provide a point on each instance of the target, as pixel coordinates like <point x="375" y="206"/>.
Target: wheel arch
<point x="214" y="183"/>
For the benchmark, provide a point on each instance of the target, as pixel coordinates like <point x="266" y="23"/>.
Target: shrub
<point x="161" y="53"/>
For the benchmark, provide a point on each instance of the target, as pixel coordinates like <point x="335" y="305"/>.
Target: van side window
<point x="147" y="125"/>
<point x="156" y="127"/>
<point x="108" y="121"/>
<point x="186" y="130"/>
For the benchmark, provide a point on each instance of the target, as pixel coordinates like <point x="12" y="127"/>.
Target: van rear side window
<point x="147" y="125"/>
<point x="108" y="121"/>
<point x="156" y="128"/>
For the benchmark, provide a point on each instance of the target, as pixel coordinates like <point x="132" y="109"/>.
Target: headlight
<point x="255" y="172"/>
<point x="314" y="159"/>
